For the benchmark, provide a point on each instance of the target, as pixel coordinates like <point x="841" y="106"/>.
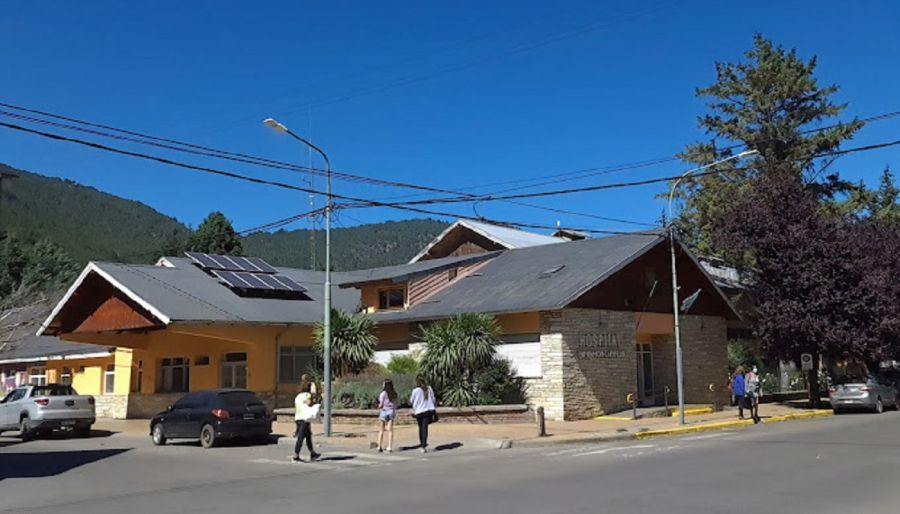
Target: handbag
<point x="433" y="418"/>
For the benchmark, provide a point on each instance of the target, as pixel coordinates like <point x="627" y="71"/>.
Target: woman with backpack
<point x="387" y="411"/>
<point x="422" y="400"/>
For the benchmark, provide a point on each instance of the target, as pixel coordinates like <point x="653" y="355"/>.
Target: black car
<point x="212" y="416"/>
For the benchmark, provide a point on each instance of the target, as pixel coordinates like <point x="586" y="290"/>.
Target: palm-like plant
<point x="353" y="342"/>
<point x="455" y="351"/>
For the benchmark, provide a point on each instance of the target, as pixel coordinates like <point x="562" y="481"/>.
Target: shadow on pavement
<point x="336" y="458"/>
<point x="61" y="435"/>
<point x="448" y="446"/>
<point x="48" y="464"/>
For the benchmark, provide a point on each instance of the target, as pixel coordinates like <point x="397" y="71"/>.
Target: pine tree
<point x="215" y="235"/>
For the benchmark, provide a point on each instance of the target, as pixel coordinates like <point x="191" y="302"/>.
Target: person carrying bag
<point x="422" y="400"/>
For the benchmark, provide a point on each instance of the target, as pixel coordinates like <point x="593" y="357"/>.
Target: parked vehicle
<point x="873" y="392"/>
<point x="35" y="410"/>
<point x="212" y="416"/>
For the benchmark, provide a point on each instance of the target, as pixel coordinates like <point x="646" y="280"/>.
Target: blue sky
<point x="450" y="94"/>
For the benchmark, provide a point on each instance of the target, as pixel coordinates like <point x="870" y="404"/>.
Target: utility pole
<point x="676" y="307"/>
<point x="326" y="322"/>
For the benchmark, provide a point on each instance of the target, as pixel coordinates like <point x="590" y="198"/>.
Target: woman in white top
<point x="305" y="411"/>
<point x="422" y="400"/>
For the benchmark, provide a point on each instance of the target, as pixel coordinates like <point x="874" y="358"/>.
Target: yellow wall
<point x="144" y="351"/>
<point x="520" y="323"/>
<point x="90" y="380"/>
<point x="654" y="323"/>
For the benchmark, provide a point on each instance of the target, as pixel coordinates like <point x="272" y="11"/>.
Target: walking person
<point x="305" y="411"/>
<point x="738" y="388"/>
<point x="387" y="411"/>
<point x="753" y="392"/>
<point x="313" y="391"/>
<point x="422" y="400"/>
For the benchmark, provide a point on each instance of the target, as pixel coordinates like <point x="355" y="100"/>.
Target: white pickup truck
<point x="33" y="410"/>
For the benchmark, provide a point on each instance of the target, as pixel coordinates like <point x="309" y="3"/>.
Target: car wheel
<point x="879" y="406"/>
<point x="837" y="411"/>
<point x="208" y="436"/>
<point x="26" y="433"/>
<point x="158" y="435"/>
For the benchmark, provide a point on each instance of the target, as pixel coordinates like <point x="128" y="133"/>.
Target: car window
<point x="188" y="402"/>
<point x="15" y="395"/>
<point x="239" y="399"/>
<point x="850" y="379"/>
<point x="52" y="390"/>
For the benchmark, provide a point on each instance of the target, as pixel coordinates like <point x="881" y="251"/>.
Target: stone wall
<point x="475" y="415"/>
<point x="113" y="406"/>
<point x="142" y="406"/>
<point x="587" y="361"/>
<point x="705" y="355"/>
<point x="664" y="368"/>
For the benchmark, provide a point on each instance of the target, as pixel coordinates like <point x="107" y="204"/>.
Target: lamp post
<point x="676" y="307"/>
<point x="326" y="322"/>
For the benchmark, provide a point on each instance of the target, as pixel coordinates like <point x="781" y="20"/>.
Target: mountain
<point x="365" y="246"/>
<point x="89" y="224"/>
<point x="92" y="225"/>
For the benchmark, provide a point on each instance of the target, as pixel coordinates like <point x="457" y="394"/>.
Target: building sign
<point x="600" y="346"/>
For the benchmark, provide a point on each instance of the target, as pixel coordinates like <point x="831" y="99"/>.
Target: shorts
<point x="386" y="415"/>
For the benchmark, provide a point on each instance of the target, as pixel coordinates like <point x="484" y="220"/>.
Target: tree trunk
<point x="813" y="381"/>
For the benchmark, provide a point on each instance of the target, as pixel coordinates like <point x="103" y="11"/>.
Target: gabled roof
<point x="19" y="344"/>
<point x="404" y="272"/>
<point x="179" y="291"/>
<point x="534" y="278"/>
<point x="506" y="237"/>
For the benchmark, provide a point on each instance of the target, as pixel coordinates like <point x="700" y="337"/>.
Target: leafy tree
<point x="353" y="342"/>
<point x="456" y="350"/>
<point x="768" y="102"/>
<point x="49" y="267"/>
<point x="215" y="235"/>
<point x="173" y="245"/>
<point x="402" y="365"/>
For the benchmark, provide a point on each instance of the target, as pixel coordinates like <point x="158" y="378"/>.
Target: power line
<point x="139" y="138"/>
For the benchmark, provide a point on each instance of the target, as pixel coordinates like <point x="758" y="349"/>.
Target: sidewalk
<point x="613" y="428"/>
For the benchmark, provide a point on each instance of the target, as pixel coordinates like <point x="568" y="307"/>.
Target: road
<point x="848" y="463"/>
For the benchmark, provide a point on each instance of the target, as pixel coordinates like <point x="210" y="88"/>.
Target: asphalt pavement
<point x="848" y="463"/>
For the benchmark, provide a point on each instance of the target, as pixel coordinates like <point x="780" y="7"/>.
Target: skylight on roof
<point x="551" y="271"/>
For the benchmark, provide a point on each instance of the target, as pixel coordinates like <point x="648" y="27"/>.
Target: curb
<point x="731" y="424"/>
<point x="598" y="438"/>
<point x="699" y="411"/>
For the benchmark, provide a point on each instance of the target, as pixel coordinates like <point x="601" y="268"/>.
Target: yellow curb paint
<point x="699" y="411"/>
<point x="613" y="418"/>
<point x="799" y="415"/>
<point x="696" y="428"/>
<point x="730" y="424"/>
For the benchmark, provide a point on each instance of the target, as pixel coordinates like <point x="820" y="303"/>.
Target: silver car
<point x="34" y="410"/>
<point x="871" y="392"/>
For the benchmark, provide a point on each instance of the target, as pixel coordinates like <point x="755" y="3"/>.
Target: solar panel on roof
<point x="253" y="280"/>
<point x="258" y="283"/>
<point x="290" y="283"/>
<point x="231" y="263"/>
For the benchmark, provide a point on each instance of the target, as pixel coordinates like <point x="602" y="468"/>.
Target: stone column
<point x="704" y="349"/>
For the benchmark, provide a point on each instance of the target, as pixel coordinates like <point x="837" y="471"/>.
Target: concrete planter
<point x="477" y="414"/>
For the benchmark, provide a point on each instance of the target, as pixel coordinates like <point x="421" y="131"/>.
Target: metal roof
<point x="533" y="278"/>
<point x="505" y="236"/>
<point x="19" y="344"/>
<point x="179" y="291"/>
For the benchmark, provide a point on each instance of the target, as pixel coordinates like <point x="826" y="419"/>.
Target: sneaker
<point x="315" y="456"/>
<point x="296" y="459"/>
<point x="389" y="450"/>
<point x="380" y="450"/>
<point x="424" y="450"/>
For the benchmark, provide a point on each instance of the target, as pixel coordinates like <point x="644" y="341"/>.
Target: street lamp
<point x="326" y="323"/>
<point x="676" y="307"/>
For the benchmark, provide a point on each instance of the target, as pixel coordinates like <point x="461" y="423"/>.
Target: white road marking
<point x="704" y="436"/>
<point x="605" y="450"/>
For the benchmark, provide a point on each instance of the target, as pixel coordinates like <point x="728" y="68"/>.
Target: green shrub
<point x="361" y="391"/>
<point x="402" y="365"/>
<point x="352" y="342"/>
<point x="499" y="385"/>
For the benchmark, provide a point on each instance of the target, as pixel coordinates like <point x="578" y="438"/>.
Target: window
<point x="391" y="298"/>
<point x="109" y="379"/>
<point x="37" y="376"/>
<point x="294" y="361"/>
<point x="15" y="395"/>
<point x="174" y="375"/>
<point x="452" y="274"/>
<point x="52" y="390"/>
<point x="234" y="371"/>
<point x="65" y="378"/>
<point x="201" y="360"/>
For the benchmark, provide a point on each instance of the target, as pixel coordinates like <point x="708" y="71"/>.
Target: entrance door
<point x="234" y="371"/>
<point x="644" y="359"/>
